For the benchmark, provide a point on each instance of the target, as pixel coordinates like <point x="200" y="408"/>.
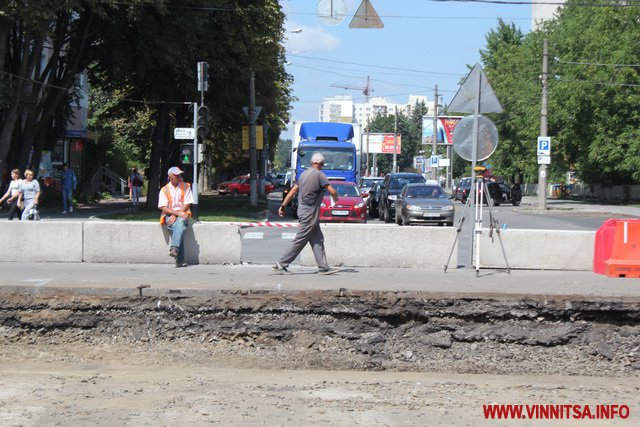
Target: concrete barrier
<point x="350" y="245"/>
<point x="387" y="246"/>
<point x="146" y="242"/>
<point x="51" y="241"/>
<point x="539" y="249"/>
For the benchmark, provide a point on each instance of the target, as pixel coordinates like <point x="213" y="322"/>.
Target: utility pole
<point x="368" y="130"/>
<point x="434" y="147"/>
<point x="395" y="139"/>
<point x="253" y="160"/>
<point x="542" y="169"/>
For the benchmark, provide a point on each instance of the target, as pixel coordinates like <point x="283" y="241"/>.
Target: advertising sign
<point x="382" y="143"/>
<point x="446" y="125"/>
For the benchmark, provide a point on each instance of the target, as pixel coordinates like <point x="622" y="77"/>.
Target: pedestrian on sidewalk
<point x="69" y="184"/>
<point x="175" y="202"/>
<point x="311" y="185"/>
<point x="13" y="194"/>
<point x="29" y="194"/>
<point x="135" y="183"/>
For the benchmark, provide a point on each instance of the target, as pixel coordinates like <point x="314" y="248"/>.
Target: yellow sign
<point x="245" y="138"/>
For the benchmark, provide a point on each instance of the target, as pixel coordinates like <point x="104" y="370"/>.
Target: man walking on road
<point x="311" y="186"/>
<point x="175" y="202"/>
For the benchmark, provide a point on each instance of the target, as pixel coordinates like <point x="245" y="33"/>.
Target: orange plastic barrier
<point x="604" y="245"/>
<point x="625" y="254"/>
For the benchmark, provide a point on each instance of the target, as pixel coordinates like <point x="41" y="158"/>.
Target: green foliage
<point x="593" y="97"/>
<point x="282" y="159"/>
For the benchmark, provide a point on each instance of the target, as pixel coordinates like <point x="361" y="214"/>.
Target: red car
<point x="240" y="185"/>
<point x="350" y="206"/>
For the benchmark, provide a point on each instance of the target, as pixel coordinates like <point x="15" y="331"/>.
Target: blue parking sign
<point x="434" y="161"/>
<point x="544" y="146"/>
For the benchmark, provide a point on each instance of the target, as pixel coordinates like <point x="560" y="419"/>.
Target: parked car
<point x="374" y="199"/>
<point x="350" y="206"/>
<point x="279" y="179"/>
<point x="501" y="193"/>
<point x="391" y="187"/>
<point x="463" y="187"/>
<point x="368" y="181"/>
<point x="240" y="185"/>
<point x="423" y="203"/>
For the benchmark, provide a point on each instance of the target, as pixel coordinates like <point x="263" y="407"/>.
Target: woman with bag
<point x="30" y="193"/>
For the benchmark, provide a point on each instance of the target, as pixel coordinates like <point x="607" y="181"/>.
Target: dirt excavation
<point x="310" y="358"/>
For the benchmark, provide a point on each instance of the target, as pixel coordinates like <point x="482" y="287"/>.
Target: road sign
<point x="246" y="111"/>
<point x="434" y="161"/>
<point x="184" y="133"/>
<point x="544" y="160"/>
<point x="544" y="146"/>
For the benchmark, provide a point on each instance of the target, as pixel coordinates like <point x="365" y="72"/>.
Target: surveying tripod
<point x="477" y="194"/>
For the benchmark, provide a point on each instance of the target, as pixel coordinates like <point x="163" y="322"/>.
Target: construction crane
<point x="366" y="90"/>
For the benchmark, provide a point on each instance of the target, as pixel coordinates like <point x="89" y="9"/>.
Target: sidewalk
<point x="124" y="279"/>
<point x="555" y="205"/>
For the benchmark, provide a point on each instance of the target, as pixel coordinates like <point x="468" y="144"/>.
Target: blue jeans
<point x="177" y="230"/>
<point x="67" y="198"/>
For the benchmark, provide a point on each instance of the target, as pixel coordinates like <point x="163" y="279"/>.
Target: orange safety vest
<point x="182" y="190"/>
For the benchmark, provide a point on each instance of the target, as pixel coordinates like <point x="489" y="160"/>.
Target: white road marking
<point x="37" y="282"/>
<point x="288" y="236"/>
<point x="253" y="235"/>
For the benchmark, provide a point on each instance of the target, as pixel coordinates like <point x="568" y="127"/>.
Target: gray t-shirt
<point x="29" y="189"/>
<point x="311" y="187"/>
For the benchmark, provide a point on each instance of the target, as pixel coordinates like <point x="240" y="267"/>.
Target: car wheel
<point x="496" y="203"/>
<point x="235" y="193"/>
<point x="516" y="203"/>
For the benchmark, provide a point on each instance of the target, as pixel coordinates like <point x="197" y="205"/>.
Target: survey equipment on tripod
<point x="475" y="138"/>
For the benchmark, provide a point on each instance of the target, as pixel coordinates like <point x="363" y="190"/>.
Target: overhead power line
<point x="384" y="67"/>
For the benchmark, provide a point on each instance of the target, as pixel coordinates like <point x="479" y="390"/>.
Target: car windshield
<point x="398" y="183"/>
<point x="345" y="190"/>
<point x="465" y="183"/>
<point x="335" y="158"/>
<point x="424" y="192"/>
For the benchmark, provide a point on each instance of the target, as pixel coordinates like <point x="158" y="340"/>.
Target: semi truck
<point x="334" y="141"/>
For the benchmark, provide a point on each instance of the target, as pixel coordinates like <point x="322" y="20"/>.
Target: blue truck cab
<point x="333" y="140"/>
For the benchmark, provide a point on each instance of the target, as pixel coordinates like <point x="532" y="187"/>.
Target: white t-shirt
<point x="29" y="189"/>
<point x="14" y="186"/>
<point x="175" y="197"/>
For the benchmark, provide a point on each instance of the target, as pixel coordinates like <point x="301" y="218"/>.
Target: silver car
<point x="423" y="203"/>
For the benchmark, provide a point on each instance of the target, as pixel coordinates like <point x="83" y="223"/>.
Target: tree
<point x="593" y="100"/>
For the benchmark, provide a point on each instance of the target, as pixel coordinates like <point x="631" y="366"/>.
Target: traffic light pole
<point x="194" y="185"/>
<point x="253" y="160"/>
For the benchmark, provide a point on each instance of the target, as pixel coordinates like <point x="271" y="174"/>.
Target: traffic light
<point x="201" y="122"/>
<point x="186" y="154"/>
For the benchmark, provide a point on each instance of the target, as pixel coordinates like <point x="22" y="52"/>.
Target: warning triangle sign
<point x="475" y="85"/>
<point x="366" y="17"/>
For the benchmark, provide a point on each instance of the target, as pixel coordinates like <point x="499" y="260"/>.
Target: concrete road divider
<point x="354" y="245"/>
<point x="146" y="242"/>
<point x="55" y="241"/>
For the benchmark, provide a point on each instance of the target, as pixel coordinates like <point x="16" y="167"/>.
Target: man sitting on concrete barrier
<point x="175" y="202"/>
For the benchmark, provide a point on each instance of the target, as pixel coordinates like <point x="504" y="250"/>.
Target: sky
<point x="424" y="43"/>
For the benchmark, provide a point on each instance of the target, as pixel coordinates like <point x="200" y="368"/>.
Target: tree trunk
<point x="158" y="145"/>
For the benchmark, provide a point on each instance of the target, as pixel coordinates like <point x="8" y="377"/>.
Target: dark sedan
<point x="423" y="203"/>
